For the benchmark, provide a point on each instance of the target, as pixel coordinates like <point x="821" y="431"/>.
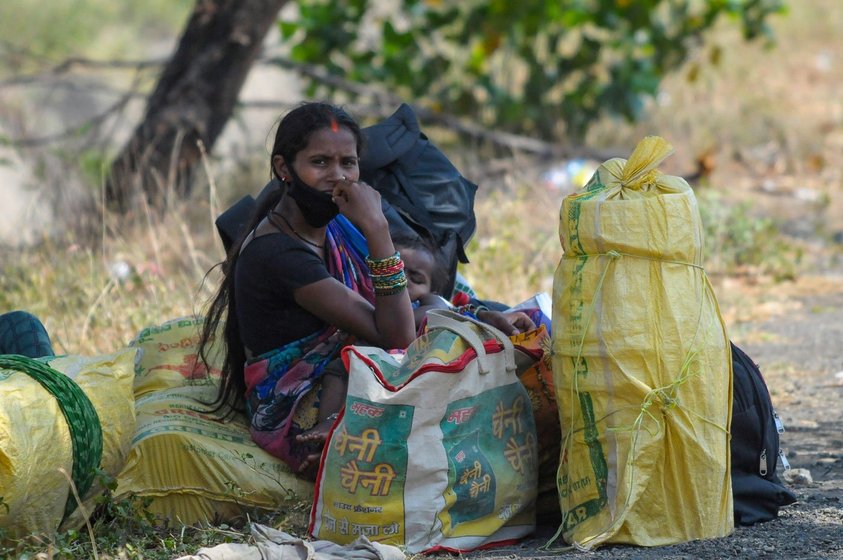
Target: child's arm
<point x="424" y="304"/>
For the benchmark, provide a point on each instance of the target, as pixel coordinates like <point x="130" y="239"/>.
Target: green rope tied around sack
<point x="80" y="415"/>
<point x="617" y="254"/>
<point x="665" y="396"/>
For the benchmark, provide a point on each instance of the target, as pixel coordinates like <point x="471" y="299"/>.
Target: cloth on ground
<point x="23" y="333"/>
<point x="272" y="544"/>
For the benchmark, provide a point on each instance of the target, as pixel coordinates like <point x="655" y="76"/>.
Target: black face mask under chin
<point x="317" y="207"/>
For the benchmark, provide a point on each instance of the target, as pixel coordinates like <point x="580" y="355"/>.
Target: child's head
<point x="423" y="264"/>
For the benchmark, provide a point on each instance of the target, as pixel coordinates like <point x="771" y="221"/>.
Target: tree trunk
<point x="194" y="98"/>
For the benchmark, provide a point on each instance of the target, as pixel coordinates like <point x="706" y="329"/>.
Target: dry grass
<point x="767" y="122"/>
<point x="95" y="294"/>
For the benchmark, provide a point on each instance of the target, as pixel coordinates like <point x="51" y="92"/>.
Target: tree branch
<point x="514" y="142"/>
<point x="68" y="64"/>
<point x="93" y="122"/>
<point x="381" y="106"/>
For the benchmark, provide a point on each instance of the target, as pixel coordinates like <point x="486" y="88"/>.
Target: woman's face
<point x="329" y="155"/>
<point x="419" y="267"/>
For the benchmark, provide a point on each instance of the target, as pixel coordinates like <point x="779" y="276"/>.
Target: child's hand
<point x="510" y="323"/>
<point x="520" y="320"/>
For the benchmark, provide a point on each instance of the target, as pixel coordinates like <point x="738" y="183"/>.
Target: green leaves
<point x="527" y="66"/>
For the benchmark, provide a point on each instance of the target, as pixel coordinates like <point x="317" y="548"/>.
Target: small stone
<point x="798" y="477"/>
<point x="120" y="270"/>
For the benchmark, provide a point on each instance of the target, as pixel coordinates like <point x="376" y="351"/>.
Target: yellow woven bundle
<point x="44" y="432"/>
<point x="195" y="467"/>
<point x="641" y="362"/>
<point x="169" y="357"/>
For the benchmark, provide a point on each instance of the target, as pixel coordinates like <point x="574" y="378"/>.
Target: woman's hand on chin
<point x="361" y="204"/>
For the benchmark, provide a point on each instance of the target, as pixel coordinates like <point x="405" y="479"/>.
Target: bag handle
<point x="461" y="325"/>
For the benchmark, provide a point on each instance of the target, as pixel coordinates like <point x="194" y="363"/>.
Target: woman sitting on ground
<point x="316" y="271"/>
<point x="295" y="290"/>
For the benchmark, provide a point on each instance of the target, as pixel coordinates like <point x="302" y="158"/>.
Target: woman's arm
<point x="389" y="323"/>
<point x="336" y="304"/>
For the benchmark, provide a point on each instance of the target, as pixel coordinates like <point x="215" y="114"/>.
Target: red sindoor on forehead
<point x="335" y="127"/>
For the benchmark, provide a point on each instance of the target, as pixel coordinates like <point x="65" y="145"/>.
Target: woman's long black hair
<point x="293" y="134"/>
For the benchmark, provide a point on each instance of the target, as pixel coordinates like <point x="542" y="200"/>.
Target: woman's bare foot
<point x="314" y="439"/>
<point x="332" y="399"/>
<point x="319" y="432"/>
<point x="309" y="469"/>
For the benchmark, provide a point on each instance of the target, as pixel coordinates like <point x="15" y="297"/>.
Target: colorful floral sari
<point x="282" y="384"/>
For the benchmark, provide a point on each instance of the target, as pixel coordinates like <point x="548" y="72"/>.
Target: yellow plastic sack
<point x="194" y="466"/>
<point x="168" y="357"/>
<point x="36" y="441"/>
<point x="199" y="469"/>
<point x="641" y="363"/>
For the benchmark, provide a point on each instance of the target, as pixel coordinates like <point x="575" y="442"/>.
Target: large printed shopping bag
<point x="641" y="363"/>
<point x="436" y="449"/>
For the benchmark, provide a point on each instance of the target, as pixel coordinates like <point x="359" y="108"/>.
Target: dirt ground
<point x="794" y="331"/>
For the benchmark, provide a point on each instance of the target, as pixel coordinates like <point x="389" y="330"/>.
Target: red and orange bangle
<point x="387" y="274"/>
<point x="379" y="266"/>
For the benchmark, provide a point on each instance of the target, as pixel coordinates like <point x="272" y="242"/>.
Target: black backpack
<point x="758" y="493"/>
<point x="424" y="192"/>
